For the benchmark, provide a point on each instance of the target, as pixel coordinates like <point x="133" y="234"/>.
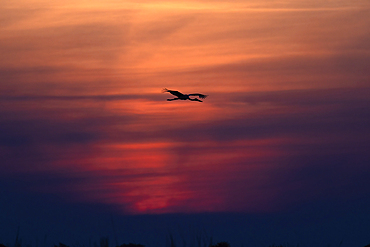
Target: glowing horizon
<point x="81" y="101"/>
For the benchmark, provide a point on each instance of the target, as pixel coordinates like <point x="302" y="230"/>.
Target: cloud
<point x="79" y="98"/>
<point x="242" y="162"/>
<point x="286" y="120"/>
<point x="288" y="113"/>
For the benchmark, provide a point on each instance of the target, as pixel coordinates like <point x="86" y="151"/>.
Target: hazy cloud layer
<point x="286" y="121"/>
<point x="297" y="138"/>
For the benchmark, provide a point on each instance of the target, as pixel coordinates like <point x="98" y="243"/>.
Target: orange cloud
<point x="81" y="103"/>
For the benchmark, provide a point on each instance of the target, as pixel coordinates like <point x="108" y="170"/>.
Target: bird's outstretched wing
<point x="176" y="93"/>
<point x="202" y="96"/>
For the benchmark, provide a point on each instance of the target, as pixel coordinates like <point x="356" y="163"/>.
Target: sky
<point x="277" y="152"/>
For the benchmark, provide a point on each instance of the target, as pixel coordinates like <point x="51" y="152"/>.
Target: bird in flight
<point x="185" y="96"/>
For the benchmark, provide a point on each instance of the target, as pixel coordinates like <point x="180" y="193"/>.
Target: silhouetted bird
<point x="185" y="96"/>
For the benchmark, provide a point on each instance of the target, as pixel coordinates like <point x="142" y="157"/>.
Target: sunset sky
<point x="84" y="122"/>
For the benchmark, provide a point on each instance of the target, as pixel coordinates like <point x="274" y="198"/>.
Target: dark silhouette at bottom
<point x="221" y="244"/>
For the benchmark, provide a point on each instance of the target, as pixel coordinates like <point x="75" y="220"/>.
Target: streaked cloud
<point x="82" y="116"/>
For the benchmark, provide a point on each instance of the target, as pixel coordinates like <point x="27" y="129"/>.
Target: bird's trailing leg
<point x="172" y="99"/>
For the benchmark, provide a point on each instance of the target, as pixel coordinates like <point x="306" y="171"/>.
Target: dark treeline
<point x="105" y="243"/>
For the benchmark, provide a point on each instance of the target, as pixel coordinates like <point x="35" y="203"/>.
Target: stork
<point x="184" y="96"/>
